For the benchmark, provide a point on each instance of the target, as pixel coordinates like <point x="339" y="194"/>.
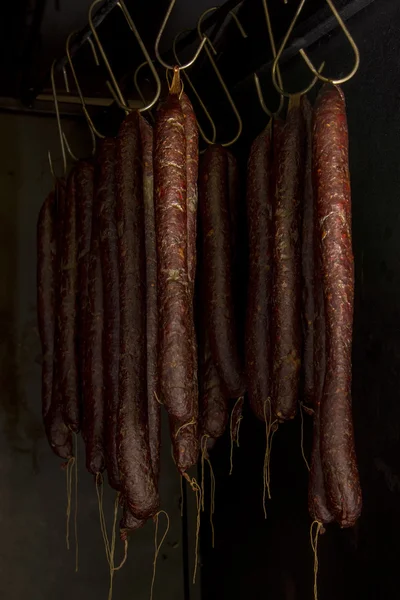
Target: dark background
<point x="254" y="557"/>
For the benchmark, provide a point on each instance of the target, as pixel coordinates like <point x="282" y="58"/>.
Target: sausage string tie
<point x="205" y="458"/>
<point x="112" y="548"/>
<point x="158" y="399"/>
<point x="314" y="546"/>
<point x="197" y="490"/>
<point x="191" y="422"/>
<point x="157" y="546"/>
<point x="270" y="428"/>
<point x="68" y="471"/>
<point x="234" y="438"/>
<point x="302" y="436"/>
<point x="212" y="507"/>
<point x="99" y="492"/>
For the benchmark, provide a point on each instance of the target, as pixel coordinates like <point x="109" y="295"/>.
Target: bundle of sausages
<point x="300" y="290"/>
<point x="98" y="320"/>
<point x="118" y="281"/>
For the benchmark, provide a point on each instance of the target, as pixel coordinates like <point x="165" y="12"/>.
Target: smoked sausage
<point x="332" y="187"/>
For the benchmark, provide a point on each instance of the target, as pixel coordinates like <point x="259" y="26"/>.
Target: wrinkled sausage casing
<point x="93" y="372"/>
<point x="137" y="481"/>
<point x="176" y="329"/>
<point x="84" y="191"/>
<point x="287" y="266"/>
<point x="259" y="296"/>
<point x="48" y="279"/>
<point x="175" y="174"/>
<point x="332" y="186"/>
<point x="106" y="215"/>
<point x="67" y="358"/>
<point x="217" y="253"/>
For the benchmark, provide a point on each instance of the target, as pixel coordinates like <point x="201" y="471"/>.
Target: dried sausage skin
<point x="106" y="214"/>
<point x="259" y="296"/>
<point x="46" y="284"/>
<point x="133" y="448"/>
<point x="317" y="501"/>
<point x="287" y="265"/>
<point x="176" y="328"/>
<point x="48" y="280"/>
<point x="153" y="405"/>
<point x="67" y="313"/>
<point x="307" y="260"/>
<point x="213" y="400"/>
<point x="332" y="187"/>
<point x="93" y="380"/>
<point x="84" y="192"/>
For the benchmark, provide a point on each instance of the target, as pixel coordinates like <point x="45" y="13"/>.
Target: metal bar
<point x="216" y="18"/>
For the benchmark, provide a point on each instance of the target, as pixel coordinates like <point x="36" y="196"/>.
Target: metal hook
<point x="256" y="79"/>
<point x="352" y="44"/>
<point x="92" y="128"/>
<point x="200" y="101"/>
<point x="218" y="74"/>
<point x="158" y="39"/>
<point x="118" y="93"/>
<point x="60" y="131"/>
<point x="278" y="86"/>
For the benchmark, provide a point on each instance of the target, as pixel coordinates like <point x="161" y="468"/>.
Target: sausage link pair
<point x="332" y="188"/>
<point x="137" y="480"/>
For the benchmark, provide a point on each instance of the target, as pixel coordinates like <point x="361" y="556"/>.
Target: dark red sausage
<point x="185" y="445"/>
<point x="48" y="279"/>
<point x="233" y="203"/>
<point x="93" y="381"/>
<point x="332" y="186"/>
<point x="153" y="405"/>
<point x="259" y="288"/>
<point x="236" y="417"/>
<point x="67" y="312"/>
<point x="215" y="217"/>
<point x="192" y="163"/>
<point x="46" y="283"/>
<point x="84" y="191"/>
<point x="289" y="162"/>
<point x="138" y="485"/>
<point x="317" y="502"/>
<point x="176" y="329"/>
<point x="106" y="207"/>
<point x="307" y="261"/>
